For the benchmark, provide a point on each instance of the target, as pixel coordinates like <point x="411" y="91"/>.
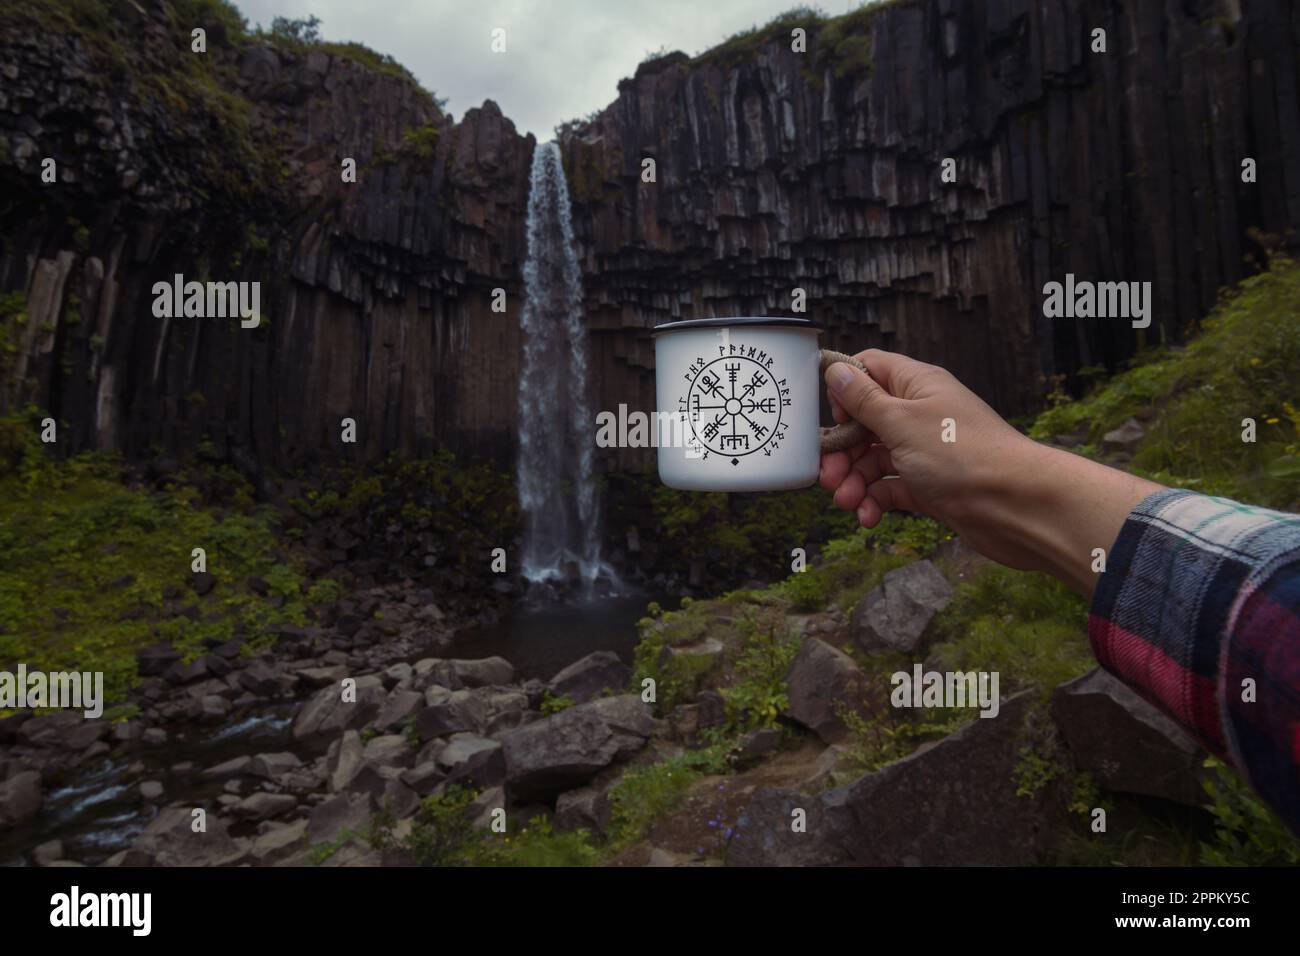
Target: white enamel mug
<point x="745" y="398"/>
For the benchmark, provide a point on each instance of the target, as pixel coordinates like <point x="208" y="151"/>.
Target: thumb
<point x="863" y="399"/>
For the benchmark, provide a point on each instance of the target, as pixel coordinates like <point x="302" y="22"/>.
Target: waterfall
<point x="557" y="484"/>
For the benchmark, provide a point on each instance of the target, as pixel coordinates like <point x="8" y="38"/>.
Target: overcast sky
<point x="563" y="58"/>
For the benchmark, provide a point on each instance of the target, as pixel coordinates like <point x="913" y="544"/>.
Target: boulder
<point x="587" y="808"/>
<point x="170" y="840"/>
<point x="389" y="750"/>
<point x="585" y="679"/>
<point x="424" y="777"/>
<point x="451" y="712"/>
<point x="20" y="798"/>
<point x="821" y="681"/>
<point x="563" y="751"/>
<point x="398" y="708"/>
<point x="1126" y="438"/>
<point x="155" y="660"/>
<point x="271" y="766"/>
<point x="52" y="730"/>
<point x="48" y="852"/>
<point x="279" y="842"/>
<point x="345" y="811"/>
<point x="234" y="767"/>
<point x="456" y="674"/>
<point x="1126" y="743"/>
<point x="950" y="804"/>
<point x="326" y="714"/>
<point x="895" y="615"/>
<point x="263" y="806"/>
<point x="473" y="760"/>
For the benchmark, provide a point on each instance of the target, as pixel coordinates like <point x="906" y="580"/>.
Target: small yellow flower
<point x="1272" y="421"/>
<point x="1256" y="361"/>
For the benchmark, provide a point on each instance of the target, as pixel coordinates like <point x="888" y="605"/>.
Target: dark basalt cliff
<point x="376" y="295"/>
<point x="775" y="170"/>
<point x="821" y="170"/>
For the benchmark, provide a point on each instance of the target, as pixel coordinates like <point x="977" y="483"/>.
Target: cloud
<point x="563" y="58"/>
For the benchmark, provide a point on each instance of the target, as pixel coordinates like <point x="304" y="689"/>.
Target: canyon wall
<point x="779" y="169"/>
<point x="376" y="295"/>
<point x="774" y="169"/>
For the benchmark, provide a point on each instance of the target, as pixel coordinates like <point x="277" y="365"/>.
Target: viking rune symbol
<point x="735" y="407"/>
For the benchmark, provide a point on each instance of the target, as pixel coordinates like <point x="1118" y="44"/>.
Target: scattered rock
<point x="1126" y="743"/>
<point x="560" y="752"/>
<point x="154" y="661"/>
<point x="202" y="582"/>
<point x="474" y="760"/>
<point x="151" y="790"/>
<point x="424" y="777"/>
<point x="262" y="806"/>
<point x="326" y="715"/>
<point x="822" y="680"/>
<point x="953" y="803"/>
<point x="279" y="842"/>
<point x="344" y="811"/>
<point x="20" y="798"/>
<point x="456" y="674"/>
<point x="894" y="615"/>
<point x="47" y="853"/>
<point x="584" y="679"/>
<point x="1126" y="438"/>
<point x="587" y="808"/>
<point x="170" y="841"/>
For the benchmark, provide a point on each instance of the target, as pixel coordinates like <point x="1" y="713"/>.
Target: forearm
<point x="1077" y="510"/>
<point x="1044" y="509"/>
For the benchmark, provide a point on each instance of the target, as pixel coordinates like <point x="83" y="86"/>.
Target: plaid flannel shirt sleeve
<point x="1199" y="602"/>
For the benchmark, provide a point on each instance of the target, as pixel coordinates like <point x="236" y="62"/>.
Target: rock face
<point x="775" y="170"/>
<point x="951" y="804"/>
<point x="821" y="171"/>
<point x="1126" y="743"/>
<point x="375" y="294"/>
<point x="894" y="616"/>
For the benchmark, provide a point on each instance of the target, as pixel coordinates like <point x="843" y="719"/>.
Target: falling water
<point x="557" y="487"/>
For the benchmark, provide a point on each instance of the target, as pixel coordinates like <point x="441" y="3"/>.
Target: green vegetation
<point x="443" y="833"/>
<point x="468" y="508"/>
<point x="758" y="693"/>
<point x="554" y="704"/>
<point x="1244" y="364"/>
<point x="745" y="535"/>
<point x="644" y="795"/>
<point x="298" y="36"/>
<point x="840" y="44"/>
<point x="421" y="141"/>
<point x="87" y="563"/>
<point x="1246" y="832"/>
<point x="1027" y="626"/>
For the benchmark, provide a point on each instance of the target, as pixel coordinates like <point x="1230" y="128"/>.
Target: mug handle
<point x="850" y="433"/>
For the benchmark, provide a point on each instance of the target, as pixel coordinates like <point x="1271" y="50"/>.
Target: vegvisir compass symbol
<point x="734" y="406"/>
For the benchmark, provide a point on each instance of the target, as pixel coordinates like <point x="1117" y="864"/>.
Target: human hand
<point x="1020" y="503"/>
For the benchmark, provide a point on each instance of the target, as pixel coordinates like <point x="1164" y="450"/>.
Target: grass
<point x="1243" y="365"/>
<point x="1027" y="626"/>
<point x="87" y="563"/>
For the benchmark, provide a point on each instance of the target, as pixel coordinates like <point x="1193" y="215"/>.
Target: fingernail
<point x="839" y="376"/>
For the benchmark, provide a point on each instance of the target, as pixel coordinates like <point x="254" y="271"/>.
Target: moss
<point x="1243" y="364"/>
<point x="421" y="141"/>
<point x="86" y="560"/>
